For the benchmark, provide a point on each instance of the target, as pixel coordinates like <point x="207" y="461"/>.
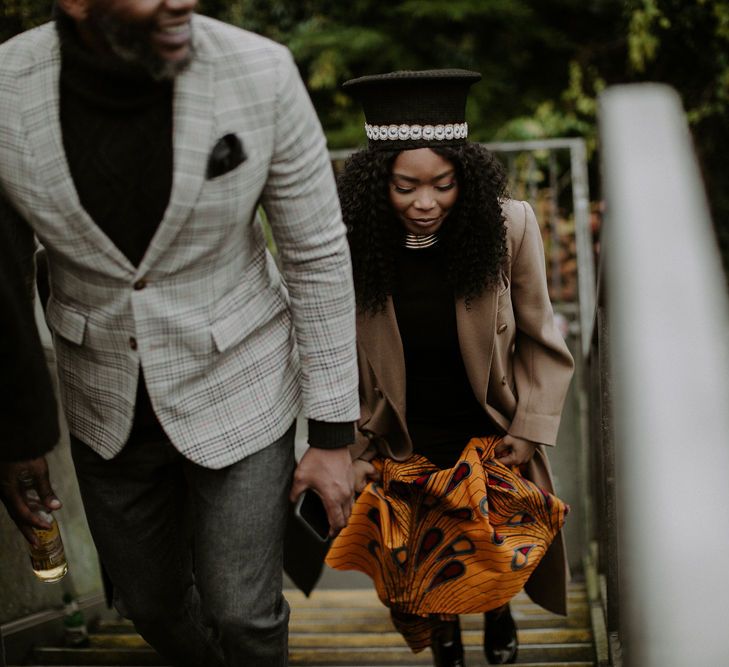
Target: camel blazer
<point x="230" y="351"/>
<point x="517" y="363"/>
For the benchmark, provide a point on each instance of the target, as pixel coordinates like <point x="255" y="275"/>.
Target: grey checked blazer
<point x="230" y="351"/>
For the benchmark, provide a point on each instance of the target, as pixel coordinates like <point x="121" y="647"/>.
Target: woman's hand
<point x="364" y="472"/>
<point x="515" y="451"/>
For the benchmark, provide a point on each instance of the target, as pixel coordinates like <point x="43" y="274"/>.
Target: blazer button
<point x="501" y="329"/>
<point x="140" y="284"/>
<point x="133" y="342"/>
<point x="378" y="392"/>
<point x="503" y="380"/>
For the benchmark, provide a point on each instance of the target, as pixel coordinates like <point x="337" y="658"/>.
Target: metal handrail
<point x="668" y="321"/>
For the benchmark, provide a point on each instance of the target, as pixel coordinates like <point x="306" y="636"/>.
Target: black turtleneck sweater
<point x="117" y="133"/>
<point x="441" y="410"/>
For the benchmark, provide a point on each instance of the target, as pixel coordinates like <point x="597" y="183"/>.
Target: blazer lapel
<point x="193" y="125"/>
<point x="380" y="339"/>
<point x="40" y="99"/>
<point x="476" y="329"/>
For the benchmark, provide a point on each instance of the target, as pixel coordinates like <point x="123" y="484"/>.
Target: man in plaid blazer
<point x="138" y="140"/>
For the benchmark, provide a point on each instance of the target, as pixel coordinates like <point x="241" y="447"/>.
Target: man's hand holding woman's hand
<point x="364" y="473"/>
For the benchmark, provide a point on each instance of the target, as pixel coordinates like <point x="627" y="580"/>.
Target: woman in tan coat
<point x="463" y="374"/>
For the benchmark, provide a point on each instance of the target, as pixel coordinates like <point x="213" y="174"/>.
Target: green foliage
<point x="573" y="114"/>
<point x="543" y="62"/>
<point x="522" y="48"/>
<point x="19" y="15"/>
<point x="642" y="41"/>
<point x="685" y="43"/>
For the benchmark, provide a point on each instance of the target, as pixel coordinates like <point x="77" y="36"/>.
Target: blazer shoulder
<point x="221" y="42"/>
<point x="516" y="214"/>
<point x="29" y="49"/>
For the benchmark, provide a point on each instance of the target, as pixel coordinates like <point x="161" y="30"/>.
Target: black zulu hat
<point x="414" y="109"/>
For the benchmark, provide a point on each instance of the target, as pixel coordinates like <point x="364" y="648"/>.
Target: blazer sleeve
<point x="301" y="203"/>
<point x="543" y="365"/>
<point x="28" y="414"/>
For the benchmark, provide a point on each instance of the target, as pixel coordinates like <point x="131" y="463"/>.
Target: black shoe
<point x="447" y="646"/>
<point x="500" y="643"/>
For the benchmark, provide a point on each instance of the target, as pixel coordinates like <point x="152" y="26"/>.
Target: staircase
<point x="351" y="627"/>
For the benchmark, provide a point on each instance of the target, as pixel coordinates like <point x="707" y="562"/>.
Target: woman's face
<point x="423" y="190"/>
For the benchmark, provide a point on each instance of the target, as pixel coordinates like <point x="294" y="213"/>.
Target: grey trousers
<point x="195" y="555"/>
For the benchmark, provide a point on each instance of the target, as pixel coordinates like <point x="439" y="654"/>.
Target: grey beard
<point x="132" y="45"/>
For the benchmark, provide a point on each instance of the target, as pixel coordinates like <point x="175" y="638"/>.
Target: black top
<point x="117" y="134"/>
<point x="441" y="410"/>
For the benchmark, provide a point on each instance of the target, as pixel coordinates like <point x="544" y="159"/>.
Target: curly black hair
<point x="474" y="236"/>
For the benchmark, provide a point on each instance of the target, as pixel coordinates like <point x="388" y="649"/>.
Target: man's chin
<point x="140" y="51"/>
<point x="168" y="68"/>
<point x="158" y="67"/>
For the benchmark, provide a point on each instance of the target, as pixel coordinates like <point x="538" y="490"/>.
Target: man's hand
<point x="329" y="473"/>
<point x="515" y="451"/>
<point x="12" y="494"/>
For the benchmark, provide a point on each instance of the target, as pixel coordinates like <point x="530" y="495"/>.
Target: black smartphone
<point x="309" y="509"/>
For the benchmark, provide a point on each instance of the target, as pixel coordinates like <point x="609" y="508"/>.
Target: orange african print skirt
<point x="441" y="542"/>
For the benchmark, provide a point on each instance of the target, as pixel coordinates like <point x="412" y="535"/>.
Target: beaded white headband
<point x="416" y="132"/>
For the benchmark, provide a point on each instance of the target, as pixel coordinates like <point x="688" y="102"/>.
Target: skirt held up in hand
<point x="442" y="542"/>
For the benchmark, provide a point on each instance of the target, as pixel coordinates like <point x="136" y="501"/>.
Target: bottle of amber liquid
<point x="48" y="557"/>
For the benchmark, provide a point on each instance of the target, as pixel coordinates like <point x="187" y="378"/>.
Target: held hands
<point x="364" y="472"/>
<point x="12" y="494"/>
<point x="515" y="451"/>
<point x="329" y="473"/>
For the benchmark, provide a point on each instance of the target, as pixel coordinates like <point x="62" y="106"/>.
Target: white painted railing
<point x="669" y="329"/>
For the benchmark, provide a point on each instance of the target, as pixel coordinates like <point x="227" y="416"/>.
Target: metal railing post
<point x="583" y="239"/>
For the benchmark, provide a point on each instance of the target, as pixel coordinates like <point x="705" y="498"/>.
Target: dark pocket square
<point x="226" y="155"/>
